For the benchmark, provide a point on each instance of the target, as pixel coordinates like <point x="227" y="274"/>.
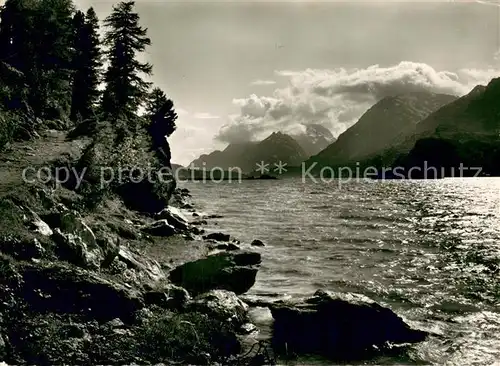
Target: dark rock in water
<point x="217" y="237"/>
<point x="184" y="192"/>
<point x="233" y="271"/>
<point x="197" y="231"/>
<point x="231" y="246"/>
<point x="170" y="297"/>
<point x="339" y="326"/>
<point x="214" y="216"/>
<point x="61" y="289"/>
<point x="160" y="228"/>
<point x="221" y="305"/>
<point x="257" y="243"/>
<point x="224" y="246"/>
<point x="199" y="222"/>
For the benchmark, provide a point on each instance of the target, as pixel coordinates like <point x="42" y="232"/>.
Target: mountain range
<point x="387" y="123"/>
<point x="291" y="150"/>
<point x="418" y="129"/>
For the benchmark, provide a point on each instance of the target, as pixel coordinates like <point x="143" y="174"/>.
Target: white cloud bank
<point x="337" y="98"/>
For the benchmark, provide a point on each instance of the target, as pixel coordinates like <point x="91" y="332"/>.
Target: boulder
<point x="38" y="225"/>
<point x="115" y="323"/>
<point x="174" y="217"/>
<point x="224" y="246"/>
<point x="214" y="216"/>
<point x="217" y="237"/>
<point x="147" y="267"/>
<point x="248" y="328"/>
<point x="70" y="222"/>
<point x="169" y="297"/>
<point x="233" y="271"/>
<point x="257" y="243"/>
<point x="221" y="305"/>
<point x="71" y="290"/>
<point x="74" y="249"/>
<point x="22" y="248"/>
<point x="199" y="222"/>
<point x="160" y="228"/>
<point x="338" y="326"/>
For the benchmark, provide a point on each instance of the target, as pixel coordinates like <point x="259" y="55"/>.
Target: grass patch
<point x="193" y="338"/>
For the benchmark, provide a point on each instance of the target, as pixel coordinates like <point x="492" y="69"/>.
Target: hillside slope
<point x="386" y="124"/>
<point x="276" y="147"/>
<point x="465" y="132"/>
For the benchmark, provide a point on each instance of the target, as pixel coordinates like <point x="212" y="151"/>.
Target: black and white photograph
<point x="250" y="182"/>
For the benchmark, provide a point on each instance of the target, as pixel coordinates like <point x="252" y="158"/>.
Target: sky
<point x="239" y="70"/>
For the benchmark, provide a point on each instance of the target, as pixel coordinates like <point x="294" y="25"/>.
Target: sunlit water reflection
<point x="430" y="250"/>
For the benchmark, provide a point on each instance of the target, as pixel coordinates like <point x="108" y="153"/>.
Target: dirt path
<point x="35" y="154"/>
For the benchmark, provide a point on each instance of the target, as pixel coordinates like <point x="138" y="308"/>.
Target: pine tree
<point x="35" y="39"/>
<point x="87" y="64"/>
<point x="16" y="50"/>
<point x="52" y="70"/>
<point x="161" y="112"/>
<point x="125" y="89"/>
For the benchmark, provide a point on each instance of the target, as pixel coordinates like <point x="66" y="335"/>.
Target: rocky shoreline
<point x="112" y="284"/>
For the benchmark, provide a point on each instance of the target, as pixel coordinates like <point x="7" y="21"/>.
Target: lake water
<point x="430" y="250"/>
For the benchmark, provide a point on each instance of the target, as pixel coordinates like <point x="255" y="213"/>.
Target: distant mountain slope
<point x="276" y="147"/>
<point x="231" y="156"/>
<point x="465" y="132"/>
<point x="314" y="139"/>
<point x="387" y="123"/>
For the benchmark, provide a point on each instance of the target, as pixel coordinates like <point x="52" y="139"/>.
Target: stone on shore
<point x="160" y="228"/>
<point x="224" y="246"/>
<point x="146" y="267"/>
<point x="74" y="249"/>
<point x="70" y="290"/>
<point x="233" y="271"/>
<point x="168" y="297"/>
<point x="339" y="326"/>
<point x="38" y="225"/>
<point x="221" y="305"/>
<point x="174" y="217"/>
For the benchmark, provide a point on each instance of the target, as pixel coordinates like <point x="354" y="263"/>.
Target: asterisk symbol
<point x="280" y="167"/>
<point x="262" y="167"/>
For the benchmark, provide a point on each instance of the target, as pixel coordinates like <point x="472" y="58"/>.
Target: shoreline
<point x="112" y="285"/>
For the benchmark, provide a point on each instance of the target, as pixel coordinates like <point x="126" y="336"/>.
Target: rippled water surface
<point x="430" y="250"/>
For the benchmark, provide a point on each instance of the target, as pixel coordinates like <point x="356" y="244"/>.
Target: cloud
<point x="205" y="115"/>
<point x="263" y="82"/>
<point x="337" y="98"/>
<point x="490" y="2"/>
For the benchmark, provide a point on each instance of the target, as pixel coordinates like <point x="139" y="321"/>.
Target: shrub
<point x="191" y="337"/>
